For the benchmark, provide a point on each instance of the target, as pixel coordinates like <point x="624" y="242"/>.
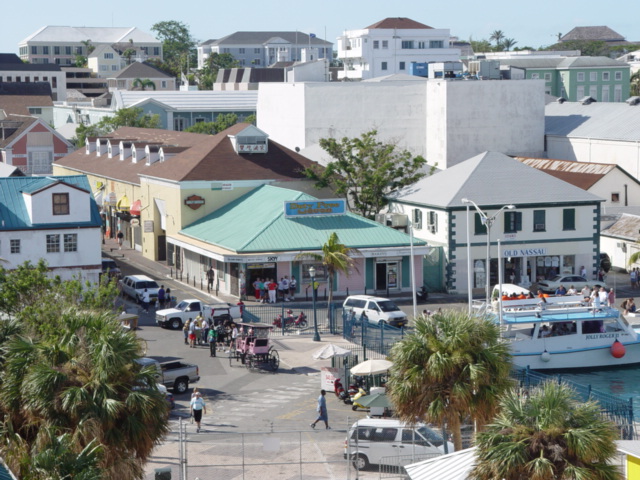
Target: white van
<point x="377" y="441"/>
<point x="378" y="310"/>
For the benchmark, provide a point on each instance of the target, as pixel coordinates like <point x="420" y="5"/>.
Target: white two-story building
<point x="390" y="46"/>
<point x="51" y="218"/>
<point x="554" y="228"/>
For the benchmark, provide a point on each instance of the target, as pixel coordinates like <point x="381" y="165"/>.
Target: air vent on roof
<point x="587" y="100"/>
<point x="633" y="100"/>
<point x="561" y="100"/>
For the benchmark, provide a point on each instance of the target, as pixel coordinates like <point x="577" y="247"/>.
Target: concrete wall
<point x="465" y="118"/>
<point x="623" y="153"/>
<point x="299" y="115"/>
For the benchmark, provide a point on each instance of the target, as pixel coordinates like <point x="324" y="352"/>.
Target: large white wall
<point x="299" y="115"/>
<point x="465" y="118"/>
<point x="625" y="154"/>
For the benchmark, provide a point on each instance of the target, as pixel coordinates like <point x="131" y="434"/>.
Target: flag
<point x="312" y="35"/>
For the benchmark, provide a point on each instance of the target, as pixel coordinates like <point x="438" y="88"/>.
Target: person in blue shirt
<point x="561" y="291"/>
<point x="322" y="410"/>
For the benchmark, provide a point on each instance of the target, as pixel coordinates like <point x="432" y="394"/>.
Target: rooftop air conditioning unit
<point x="398" y="220"/>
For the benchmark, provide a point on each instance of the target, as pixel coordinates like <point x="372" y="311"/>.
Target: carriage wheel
<point x="274" y="360"/>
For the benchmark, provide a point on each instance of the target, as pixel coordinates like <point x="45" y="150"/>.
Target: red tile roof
<point x="399" y="23"/>
<point x="199" y="157"/>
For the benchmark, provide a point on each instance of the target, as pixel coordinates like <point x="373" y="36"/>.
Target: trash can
<point x="163" y="473"/>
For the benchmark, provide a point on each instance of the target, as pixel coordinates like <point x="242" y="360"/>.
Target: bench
<point x="551" y="302"/>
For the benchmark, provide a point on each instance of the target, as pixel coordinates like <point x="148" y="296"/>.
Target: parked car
<point x="374" y="441"/>
<point x="175" y="375"/>
<point x="190" y="308"/>
<point x="110" y="267"/>
<point x="550" y="286"/>
<point x="378" y="310"/>
<point x="134" y="285"/>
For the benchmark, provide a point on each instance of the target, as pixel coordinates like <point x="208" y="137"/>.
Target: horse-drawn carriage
<point x="252" y="347"/>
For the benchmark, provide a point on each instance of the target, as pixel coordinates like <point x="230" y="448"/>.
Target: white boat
<point x="567" y="333"/>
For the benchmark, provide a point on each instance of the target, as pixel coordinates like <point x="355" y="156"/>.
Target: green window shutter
<point x="569" y="219"/>
<point x="369" y="271"/>
<point x="480" y="228"/>
<point x="295" y="271"/>
<point x="539" y="221"/>
<point x="406" y="272"/>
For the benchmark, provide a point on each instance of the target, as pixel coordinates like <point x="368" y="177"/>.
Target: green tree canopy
<point x="125" y="117"/>
<point x="178" y="46"/>
<point x="143" y="84"/>
<point x="207" y="75"/>
<point x="365" y="170"/>
<point x="72" y="397"/>
<point x="549" y="435"/>
<point x="452" y="368"/>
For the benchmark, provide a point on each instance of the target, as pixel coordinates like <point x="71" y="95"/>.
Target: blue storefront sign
<point x="315" y="208"/>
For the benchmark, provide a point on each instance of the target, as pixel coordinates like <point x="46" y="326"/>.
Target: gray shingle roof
<point x="196" y="100"/>
<point x="626" y="227"/>
<point x="258" y="38"/>
<point x="491" y="179"/>
<point x="141" y="70"/>
<point x="602" y="33"/>
<point x="603" y="120"/>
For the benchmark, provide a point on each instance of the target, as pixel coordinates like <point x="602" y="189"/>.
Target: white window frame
<point x="593" y="76"/>
<point x="535" y="76"/>
<point x="14" y="246"/>
<point x="606" y="76"/>
<point x="70" y="242"/>
<point x="580" y="77"/>
<point x="547" y="77"/>
<point x="618" y="76"/>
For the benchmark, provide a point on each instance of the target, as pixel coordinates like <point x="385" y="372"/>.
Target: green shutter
<point x="480" y="229"/>
<point x="406" y="272"/>
<point x="368" y="274"/>
<point x="569" y="219"/>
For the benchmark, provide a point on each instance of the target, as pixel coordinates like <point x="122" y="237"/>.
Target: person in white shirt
<point x="197" y="408"/>
<point x="572" y="290"/>
<point x="285" y="288"/>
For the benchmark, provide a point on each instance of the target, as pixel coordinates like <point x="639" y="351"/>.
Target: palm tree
<point x="551" y="434"/>
<point x="635" y="84"/>
<point x="451" y="368"/>
<point x="497" y="36"/>
<point x="143" y="84"/>
<point x="335" y="257"/>
<point x="508" y="43"/>
<point x="82" y="381"/>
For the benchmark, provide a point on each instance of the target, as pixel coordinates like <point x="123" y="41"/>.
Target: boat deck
<point x="559" y="315"/>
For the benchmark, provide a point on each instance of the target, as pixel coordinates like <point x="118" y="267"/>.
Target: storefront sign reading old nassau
<point x="524" y="252"/>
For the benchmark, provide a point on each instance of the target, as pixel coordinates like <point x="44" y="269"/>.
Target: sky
<point x="534" y="24"/>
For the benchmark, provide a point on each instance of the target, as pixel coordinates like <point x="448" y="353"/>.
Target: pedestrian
<point x="212" y="339"/>
<point x="192" y="334"/>
<point x="257" y="289"/>
<point x="185" y="330"/>
<point x="197" y="408"/>
<point x="322" y="410"/>
<point x="264" y="290"/>
<point x="167" y="297"/>
<point x="272" y="291"/>
<point x="293" y="283"/>
<point x="161" y="294"/>
<point x="285" y="288"/>
<point x="211" y="275"/>
<point x="611" y="298"/>
<point x="234" y="336"/>
<point x="146" y="298"/>
<point x="634" y="278"/>
<point x="120" y="237"/>
<point x="583" y="271"/>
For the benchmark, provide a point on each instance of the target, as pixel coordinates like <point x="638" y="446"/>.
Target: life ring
<point x="618" y="350"/>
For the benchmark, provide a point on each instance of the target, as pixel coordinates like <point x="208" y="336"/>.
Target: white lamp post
<point x="312" y="274"/>
<point x="488" y="222"/>
<point x="469" y="284"/>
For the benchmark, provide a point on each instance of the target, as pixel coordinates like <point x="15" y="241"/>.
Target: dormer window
<point x="61" y="204"/>
<point x="250" y="140"/>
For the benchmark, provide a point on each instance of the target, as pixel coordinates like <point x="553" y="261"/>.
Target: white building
<point x="51" y="218"/>
<point x="554" y="228"/>
<point x="263" y="49"/>
<point x="595" y="132"/>
<point x="105" y="61"/>
<point x="446" y="121"/>
<point x="12" y="69"/>
<point x="390" y="46"/>
<point x="60" y="45"/>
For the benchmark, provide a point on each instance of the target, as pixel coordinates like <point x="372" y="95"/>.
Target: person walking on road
<point x="146" y="298"/>
<point x="185" y="329"/>
<point x="192" y="333"/>
<point x="212" y="338"/>
<point x="161" y="294"/>
<point x="120" y="237"/>
<point x="197" y="408"/>
<point x="322" y="410"/>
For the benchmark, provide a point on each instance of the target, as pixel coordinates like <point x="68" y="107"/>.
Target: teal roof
<point x="255" y="223"/>
<point x="13" y="210"/>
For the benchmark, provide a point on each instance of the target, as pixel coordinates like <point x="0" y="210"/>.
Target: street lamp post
<point x="312" y="274"/>
<point x="488" y="222"/>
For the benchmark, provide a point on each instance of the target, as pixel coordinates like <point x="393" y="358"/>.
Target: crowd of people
<point x="202" y="331"/>
<point x="270" y="291"/>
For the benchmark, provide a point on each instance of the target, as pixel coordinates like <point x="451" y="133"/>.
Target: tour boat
<point x="567" y="333"/>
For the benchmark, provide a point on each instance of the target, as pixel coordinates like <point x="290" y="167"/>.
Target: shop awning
<point x="123" y="204"/>
<point x="99" y="195"/>
<point x="163" y="213"/>
<point x="136" y="207"/>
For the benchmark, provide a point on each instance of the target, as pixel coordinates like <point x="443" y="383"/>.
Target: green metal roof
<point x="255" y="223"/>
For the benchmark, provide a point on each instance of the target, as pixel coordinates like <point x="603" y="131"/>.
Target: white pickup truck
<point x="174" y="318"/>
